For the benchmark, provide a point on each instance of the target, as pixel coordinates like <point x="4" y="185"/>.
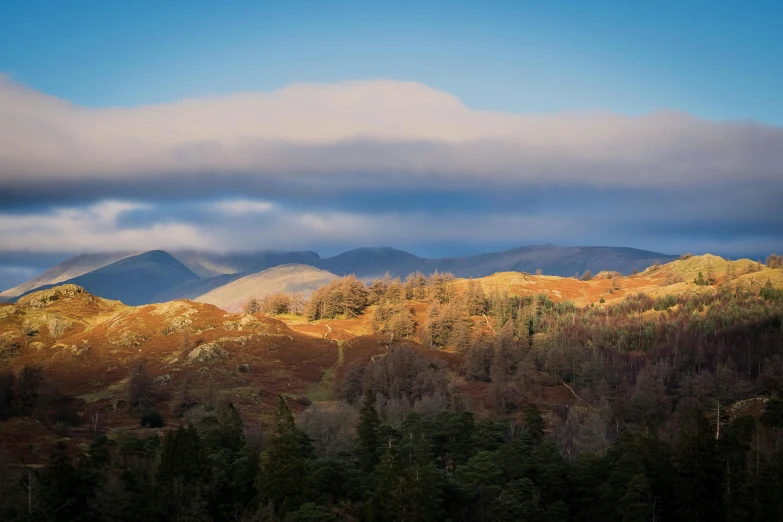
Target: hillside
<point x="301" y="279"/>
<point x="87" y="346"/>
<point x="136" y="279"/>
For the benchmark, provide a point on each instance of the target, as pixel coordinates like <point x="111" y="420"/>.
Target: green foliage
<point x="282" y="474"/>
<point x="770" y="293"/>
<point x="310" y="512"/>
<point x="665" y="302"/>
<point x="368" y="443"/>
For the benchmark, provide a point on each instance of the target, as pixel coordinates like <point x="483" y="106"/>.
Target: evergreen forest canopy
<point x="673" y="412"/>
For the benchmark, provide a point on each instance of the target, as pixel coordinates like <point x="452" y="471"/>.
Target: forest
<point x="674" y="412"/>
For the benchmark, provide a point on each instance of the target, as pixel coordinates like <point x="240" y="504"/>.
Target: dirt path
<point x="322" y="390"/>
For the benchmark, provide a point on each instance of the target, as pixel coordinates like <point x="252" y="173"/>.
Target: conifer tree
<point x="282" y="476"/>
<point x="367" y="445"/>
<point x="534" y="423"/>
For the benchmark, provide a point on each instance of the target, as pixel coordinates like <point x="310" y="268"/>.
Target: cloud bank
<point x="358" y="135"/>
<point x="334" y="166"/>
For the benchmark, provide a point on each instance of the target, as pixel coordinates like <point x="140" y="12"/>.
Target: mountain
<point x="552" y="260"/>
<point x="292" y="278"/>
<point x="211" y="264"/>
<point x="374" y="262"/>
<point x="194" y="288"/>
<point x="135" y="280"/>
<point x="207" y="271"/>
<point x="66" y="270"/>
<point x="368" y="263"/>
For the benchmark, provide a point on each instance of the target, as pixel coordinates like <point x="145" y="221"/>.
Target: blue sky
<point x="699" y="80"/>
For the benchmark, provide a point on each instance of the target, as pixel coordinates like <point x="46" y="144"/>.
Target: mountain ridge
<point x="212" y="270"/>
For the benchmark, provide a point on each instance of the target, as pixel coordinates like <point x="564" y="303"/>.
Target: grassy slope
<point x="102" y="340"/>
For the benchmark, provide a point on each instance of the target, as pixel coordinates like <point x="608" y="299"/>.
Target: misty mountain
<point x="158" y="276"/>
<point x="211" y="264"/>
<point x="552" y="260"/>
<point x="368" y="263"/>
<point x="135" y="280"/>
<point x="66" y="270"/>
<point x="301" y="279"/>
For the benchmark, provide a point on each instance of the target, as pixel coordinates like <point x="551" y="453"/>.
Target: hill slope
<point x="88" y="345"/>
<point x="301" y="279"/>
<point x="135" y="280"/>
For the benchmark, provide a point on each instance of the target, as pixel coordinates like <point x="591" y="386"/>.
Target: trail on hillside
<point x="322" y="390"/>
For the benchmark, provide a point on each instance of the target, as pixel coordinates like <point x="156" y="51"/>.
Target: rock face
<point x="300" y="279"/>
<point x="44" y="298"/>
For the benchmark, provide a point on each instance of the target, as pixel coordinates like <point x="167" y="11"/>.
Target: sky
<point x="443" y="128"/>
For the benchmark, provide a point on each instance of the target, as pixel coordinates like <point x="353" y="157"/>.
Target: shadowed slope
<point x="68" y="269"/>
<point x="135" y="280"/>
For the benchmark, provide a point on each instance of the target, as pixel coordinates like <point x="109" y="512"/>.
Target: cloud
<point x="352" y="136"/>
<point x="331" y="166"/>
<point x="239" y="207"/>
<point x="91" y="229"/>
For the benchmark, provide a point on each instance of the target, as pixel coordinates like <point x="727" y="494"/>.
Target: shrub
<point x="686" y="256"/>
<point x="66" y="414"/>
<point x="602" y="300"/>
<point x="152" y="419"/>
<point x="775" y="261"/>
<point x="770" y="293"/>
<point x="665" y="302"/>
<point x="304" y="401"/>
<point x="243" y="368"/>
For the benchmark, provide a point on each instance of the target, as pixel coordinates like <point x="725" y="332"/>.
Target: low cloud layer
<point x="356" y="135"/>
<point x="332" y="167"/>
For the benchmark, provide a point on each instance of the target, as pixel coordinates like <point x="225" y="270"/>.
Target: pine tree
<point x="368" y="445"/>
<point x="282" y="476"/>
<point x="635" y="503"/>
<point x="534" y="423"/>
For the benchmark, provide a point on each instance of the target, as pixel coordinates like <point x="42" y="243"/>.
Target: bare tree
<point x="141" y="390"/>
<point x="97" y="426"/>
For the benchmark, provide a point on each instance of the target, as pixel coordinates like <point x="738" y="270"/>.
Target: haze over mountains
<point x="226" y="279"/>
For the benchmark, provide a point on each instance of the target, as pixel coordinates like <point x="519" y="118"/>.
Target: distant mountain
<point x="135" y="280"/>
<point x="194" y="288"/>
<point x="158" y="276"/>
<point x="68" y="269"/>
<point x="374" y="262"/>
<point x="301" y="279"/>
<point x="205" y="265"/>
<point x="368" y="263"/>
<point x="552" y="260"/>
<point x="211" y="264"/>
